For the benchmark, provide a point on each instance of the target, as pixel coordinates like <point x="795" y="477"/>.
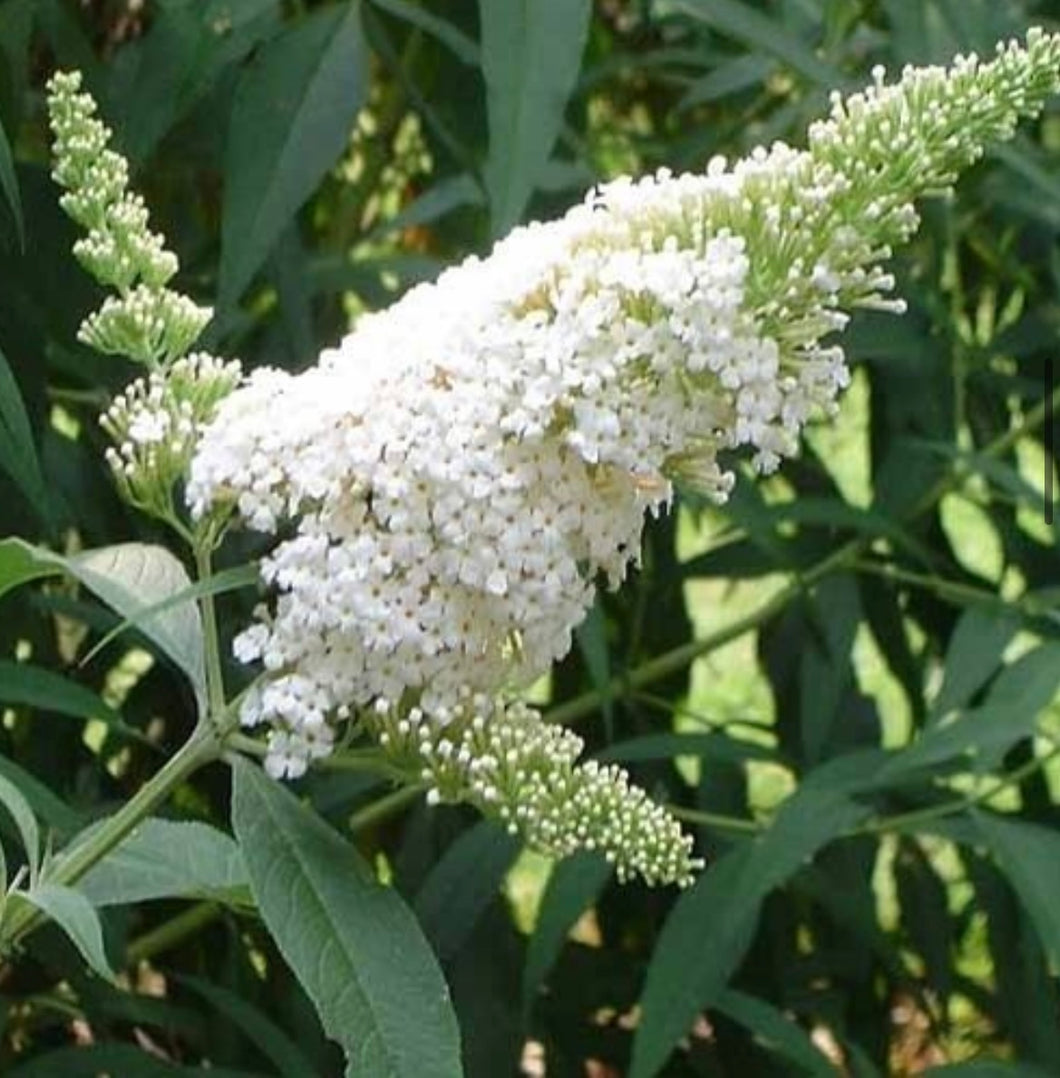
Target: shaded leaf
<point x="462" y="884"/>
<point x="775" y="1031"/>
<point x="13" y="799"/>
<point x="713" y="923"/>
<point x="973" y="655"/>
<point x="1029" y="856"/>
<point x="45" y="803"/>
<point x="273" y="1042"/>
<point x="766" y="36"/>
<point x="458" y="43"/>
<point x="74" y="914"/>
<point x="574" y="885"/>
<point x="130" y="578"/>
<point x="33" y="686"/>
<point x="18" y="453"/>
<point x="1009" y="712"/>
<point x="9" y="188"/>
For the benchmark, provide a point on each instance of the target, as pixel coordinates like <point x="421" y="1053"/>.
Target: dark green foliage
<point x="846" y="681"/>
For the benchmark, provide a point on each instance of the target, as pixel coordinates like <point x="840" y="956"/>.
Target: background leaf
<point x="293" y="113"/>
<point x="130" y="578"/>
<point x="530" y="57"/>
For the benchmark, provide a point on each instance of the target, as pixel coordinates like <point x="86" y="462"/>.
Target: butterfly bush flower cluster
<point x="448" y="486"/>
<point x="467" y="464"/>
<point x="155" y="422"/>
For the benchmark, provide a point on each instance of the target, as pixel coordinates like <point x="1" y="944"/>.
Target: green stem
<point x="171" y="933"/>
<point x="1011" y="778"/>
<point x="215" y="692"/>
<point x="713" y="819"/>
<point x="385" y="807"/>
<point x="69" y="866"/>
<point x="672" y="661"/>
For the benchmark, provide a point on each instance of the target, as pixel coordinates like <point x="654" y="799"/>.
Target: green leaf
<point x="461" y="46"/>
<point x="50" y="808"/>
<point x="32" y="686"/>
<point x="74" y="914"/>
<point x="713" y="923"/>
<point x="13" y="799"/>
<point x="353" y="944"/>
<point x="291" y="119"/>
<point x="462" y="884"/>
<point x="973" y="655"/>
<point x="445" y="196"/>
<point x="531" y="52"/>
<point x="987" y="1068"/>
<point x="574" y="885"/>
<point x="1009" y="712"/>
<point x="775" y="1031"/>
<point x="167" y="859"/>
<point x="9" y="188"/>
<point x="1025" y="998"/>
<point x="766" y="36"/>
<point x="18" y="454"/>
<point x="93" y="1060"/>
<point x="130" y="578"/>
<point x="282" y="1052"/>
<point x="155" y="80"/>
<point x="232" y="579"/>
<point x="715" y="746"/>
<point x="826" y="671"/>
<point x="1029" y="856"/>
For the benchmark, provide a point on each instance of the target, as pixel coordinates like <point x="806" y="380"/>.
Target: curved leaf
<point x="33" y="686"/>
<point x="776" y="1031"/>
<point x="130" y="578"/>
<point x="1029" y="856"/>
<point x="276" y="1045"/>
<point x="74" y="914"/>
<point x="13" y="799"/>
<point x="462" y="884"/>
<point x="353" y="944"/>
<point x="9" y="187"/>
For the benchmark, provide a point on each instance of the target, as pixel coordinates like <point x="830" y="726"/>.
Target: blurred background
<point x="846" y="680"/>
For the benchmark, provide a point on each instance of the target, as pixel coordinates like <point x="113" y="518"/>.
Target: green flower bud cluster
<point x="155" y="423"/>
<point x="146" y="321"/>
<point x="155" y="426"/>
<point x="504" y="759"/>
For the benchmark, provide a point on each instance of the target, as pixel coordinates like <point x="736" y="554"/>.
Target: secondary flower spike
<point x="457" y="474"/>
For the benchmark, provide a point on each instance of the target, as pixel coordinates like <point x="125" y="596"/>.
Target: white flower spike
<point x="465" y="465"/>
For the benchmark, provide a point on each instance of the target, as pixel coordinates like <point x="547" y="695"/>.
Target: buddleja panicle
<point x="146" y="321"/>
<point x="155" y="422"/>
<point x="448" y="485"/>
